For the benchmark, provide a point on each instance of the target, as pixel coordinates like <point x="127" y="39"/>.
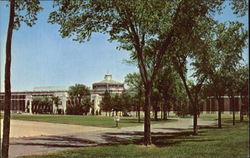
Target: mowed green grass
<point x="223" y="116"/>
<point x="98" y="121"/>
<point x="228" y="142"/>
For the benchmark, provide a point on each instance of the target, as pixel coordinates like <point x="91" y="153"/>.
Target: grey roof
<point x="51" y="88"/>
<point x="105" y="81"/>
<point x="108" y="80"/>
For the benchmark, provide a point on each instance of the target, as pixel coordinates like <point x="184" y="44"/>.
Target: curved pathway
<point x="31" y="137"/>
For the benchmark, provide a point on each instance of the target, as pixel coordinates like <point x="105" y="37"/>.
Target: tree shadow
<point x="230" y="121"/>
<point x="174" y="129"/>
<point x="207" y="127"/>
<point x="159" y="139"/>
<point x="56" y="141"/>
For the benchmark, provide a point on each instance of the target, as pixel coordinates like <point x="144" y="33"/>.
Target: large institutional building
<point x="25" y="101"/>
<point x="99" y="88"/>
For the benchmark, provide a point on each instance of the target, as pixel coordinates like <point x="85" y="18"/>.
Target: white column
<point x="54" y="108"/>
<point x="25" y="105"/>
<point x="30" y="106"/>
<point x="64" y="103"/>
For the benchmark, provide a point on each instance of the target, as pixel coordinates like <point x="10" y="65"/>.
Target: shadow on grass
<point x="207" y="127"/>
<point x="56" y="141"/>
<point x="159" y="139"/>
<point x="230" y="121"/>
<point x="174" y="129"/>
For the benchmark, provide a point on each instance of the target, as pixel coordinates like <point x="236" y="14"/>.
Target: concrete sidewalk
<point x="30" y="137"/>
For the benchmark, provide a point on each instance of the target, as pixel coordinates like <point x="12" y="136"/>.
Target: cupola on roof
<point x="107" y="80"/>
<point x="108" y="77"/>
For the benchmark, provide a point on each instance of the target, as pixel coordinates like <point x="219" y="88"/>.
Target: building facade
<point x="99" y="88"/>
<point x="25" y="101"/>
<point x="227" y="105"/>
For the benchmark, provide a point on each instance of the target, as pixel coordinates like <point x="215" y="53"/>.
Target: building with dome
<point x="23" y="101"/>
<point x="99" y="88"/>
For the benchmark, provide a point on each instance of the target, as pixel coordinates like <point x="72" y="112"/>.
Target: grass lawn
<point x="99" y="121"/>
<point x="223" y="116"/>
<point x="228" y="142"/>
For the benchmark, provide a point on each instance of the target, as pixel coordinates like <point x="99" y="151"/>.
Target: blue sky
<point x="40" y="57"/>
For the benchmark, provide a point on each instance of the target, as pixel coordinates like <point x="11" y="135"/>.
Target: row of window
<point x="212" y="105"/>
<point x="15" y="104"/>
<point x="14" y="96"/>
<point x="104" y="86"/>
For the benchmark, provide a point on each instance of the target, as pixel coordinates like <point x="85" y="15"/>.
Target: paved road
<point x="30" y="137"/>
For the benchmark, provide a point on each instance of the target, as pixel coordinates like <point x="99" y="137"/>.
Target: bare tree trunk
<point x="148" y="92"/>
<point x="219" y="118"/>
<point x="165" y="114"/>
<point x="6" y="122"/>
<point x="155" y="115"/>
<point x="156" y="110"/>
<point x="161" y="111"/>
<point x="241" y="115"/>
<point x="139" y="106"/>
<point x="219" y="112"/>
<point x="195" y="121"/>
<point x="147" y="130"/>
<point x="241" y="109"/>
<point x="164" y="110"/>
<point x="139" y="115"/>
<point x="233" y="110"/>
<point x="193" y="101"/>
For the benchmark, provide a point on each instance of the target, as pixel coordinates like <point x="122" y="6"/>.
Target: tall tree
<point x="234" y="86"/>
<point x="116" y="104"/>
<point x="133" y="80"/>
<point x="106" y="104"/>
<point x="194" y="50"/>
<point x="79" y="96"/>
<point x="87" y="104"/>
<point x="126" y="102"/>
<point x="211" y="41"/>
<point x="155" y="99"/>
<point x="20" y="11"/>
<point x="226" y="54"/>
<point x="169" y="86"/>
<point x="143" y="27"/>
<point x="77" y="93"/>
<point x="242" y="89"/>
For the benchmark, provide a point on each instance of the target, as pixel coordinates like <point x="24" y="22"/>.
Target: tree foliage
<point x="42" y="105"/>
<point x="78" y="92"/>
<point x="134" y="82"/>
<point x="149" y="29"/>
<point x="106" y="103"/>
<point x="80" y="102"/>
